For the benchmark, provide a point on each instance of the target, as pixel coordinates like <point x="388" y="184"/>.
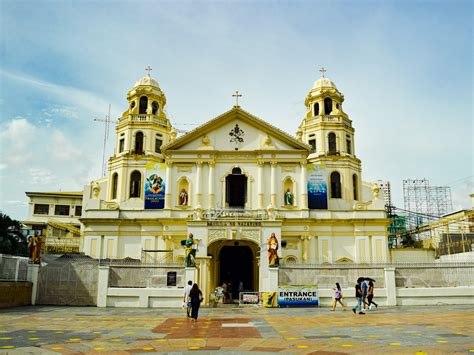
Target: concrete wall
<point x="136" y="276"/>
<point x="15" y="293"/>
<point x="71" y="282"/>
<point x="404" y="255"/>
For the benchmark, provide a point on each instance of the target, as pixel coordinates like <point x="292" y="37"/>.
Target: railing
<point x="145" y="118"/>
<point x="234" y="214"/>
<point x="13" y="268"/>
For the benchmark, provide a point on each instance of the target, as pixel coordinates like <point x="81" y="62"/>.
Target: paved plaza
<point x="395" y="330"/>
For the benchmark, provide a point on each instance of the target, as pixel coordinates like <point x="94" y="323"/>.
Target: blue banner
<point x="298" y="296"/>
<point x="317" y="187"/>
<point x="155" y="186"/>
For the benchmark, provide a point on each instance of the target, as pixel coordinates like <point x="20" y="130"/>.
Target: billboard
<point x="317" y="187"/>
<point x="298" y="296"/>
<point x="155" y="186"/>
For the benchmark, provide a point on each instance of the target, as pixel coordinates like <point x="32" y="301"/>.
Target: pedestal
<point x="33" y="277"/>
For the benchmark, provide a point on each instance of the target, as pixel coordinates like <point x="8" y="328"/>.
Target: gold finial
<point x="322" y="70"/>
<point x="237" y="95"/>
<point x="148" y="69"/>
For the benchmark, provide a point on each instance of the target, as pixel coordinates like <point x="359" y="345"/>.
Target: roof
<point x="58" y="193"/>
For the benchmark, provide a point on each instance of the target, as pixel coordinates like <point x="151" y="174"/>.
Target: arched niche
<point x="289" y="185"/>
<point x="183" y="184"/>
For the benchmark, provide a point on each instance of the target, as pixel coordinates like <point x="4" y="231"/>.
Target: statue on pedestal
<point x="183" y="198"/>
<point x="273" y="260"/>
<point x="288" y="198"/>
<point x="190" y="251"/>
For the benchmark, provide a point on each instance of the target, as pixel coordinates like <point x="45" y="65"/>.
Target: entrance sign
<point x="155" y="186"/>
<point x="317" y="187"/>
<point x="298" y="296"/>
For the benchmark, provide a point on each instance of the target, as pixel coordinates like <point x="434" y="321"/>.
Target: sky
<point x="404" y="67"/>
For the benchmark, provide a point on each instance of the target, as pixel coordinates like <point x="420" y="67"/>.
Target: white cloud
<point x="59" y="111"/>
<point x="62" y="148"/>
<point x="18" y="142"/>
<point x="41" y="176"/>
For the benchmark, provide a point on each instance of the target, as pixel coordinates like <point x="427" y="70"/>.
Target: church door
<point x="236" y="266"/>
<point x="236" y="189"/>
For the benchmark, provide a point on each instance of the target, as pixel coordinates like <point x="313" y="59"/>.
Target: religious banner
<point x="298" y="296"/>
<point x="155" y="186"/>
<point x="317" y="187"/>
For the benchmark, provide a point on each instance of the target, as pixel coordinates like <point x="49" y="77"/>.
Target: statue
<point x="273" y="260"/>
<point x="95" y="190"/>
<point x="376" y="190"/>
<point x="190" y="251"/>
<point x="34" y="245"/>
<point x="183" y="198"/>
<point x="288" y="198"/>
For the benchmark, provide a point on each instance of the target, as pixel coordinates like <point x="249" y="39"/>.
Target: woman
<point x="370" y="295"/>
<point x="196" y="298"/>
<point x="337" y="297"/>
<point x="272" y="251"/>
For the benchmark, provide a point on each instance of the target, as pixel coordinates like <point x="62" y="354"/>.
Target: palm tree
<point x="12" y="241"/>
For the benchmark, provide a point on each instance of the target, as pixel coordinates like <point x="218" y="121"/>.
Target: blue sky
<point x="405" y="68"/>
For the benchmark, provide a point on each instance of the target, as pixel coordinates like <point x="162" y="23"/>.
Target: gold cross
<point x="322" y="70"/>
<point x="236" y="95"/>
<point x="149" y="70"/>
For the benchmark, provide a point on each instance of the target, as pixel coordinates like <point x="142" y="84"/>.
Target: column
<point x="33" y="277"/>
<point x="223" y="193"/>
<point x="198" y="183"/>
<point x="168" y="202"/>
<point x="260" y="185"/>
<point x="390" y="286"/>
<point x="212" y="197"/>
<point x="312" y="249"/>
<point x="304" y="248"/>
<point x="273" y="279"/>
<point x="102" y="286"/>
<point x="273" y="187"/>
<point x="304" y="186"/>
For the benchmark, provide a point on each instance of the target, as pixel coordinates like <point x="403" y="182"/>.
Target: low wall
<point x="145" y="297"/>
<point x="144" y="276"/>
<point x="15" y="293"/>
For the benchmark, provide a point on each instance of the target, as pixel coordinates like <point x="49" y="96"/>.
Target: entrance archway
<point x="236" y="266"/>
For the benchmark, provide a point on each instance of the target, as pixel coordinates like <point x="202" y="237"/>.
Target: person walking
<point x="370" y="296"/>
<point x="196" y="298"/>
<point x="364" y="293"/>
<point x="359" y="297"/>
<point x="186" y="300"/>
<point x="337" y="297"/>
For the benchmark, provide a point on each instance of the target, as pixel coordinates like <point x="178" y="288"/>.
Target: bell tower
<point x="328" y="130"/>
<point x="140" y="133"/>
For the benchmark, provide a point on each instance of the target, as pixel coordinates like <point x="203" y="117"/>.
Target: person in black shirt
<point x="196" y="298"/>
<point x="359" y="296"/>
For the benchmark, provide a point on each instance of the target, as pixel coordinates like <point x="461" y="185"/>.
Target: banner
<point x="269" y="299"/>
<point x="317" y="187"/>
<point x="155" y="186"/>
<point x="298" y="296"/>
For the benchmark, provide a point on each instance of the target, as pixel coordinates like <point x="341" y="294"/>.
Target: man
<point x="364" y="293"/>
<point x="359" y="296"/>
<point x="186" y="300"/>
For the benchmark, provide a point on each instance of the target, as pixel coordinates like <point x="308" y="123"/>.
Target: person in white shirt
<point x="186" y="299"/>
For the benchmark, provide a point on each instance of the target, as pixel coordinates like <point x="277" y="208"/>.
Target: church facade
<point x="232" y="182"/>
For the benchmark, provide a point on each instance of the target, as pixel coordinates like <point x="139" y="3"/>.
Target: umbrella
<point x="368" y="279"/>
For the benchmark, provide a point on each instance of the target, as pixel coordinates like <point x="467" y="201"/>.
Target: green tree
<point x="12" y="241"/>
<point x="407" y="240"/>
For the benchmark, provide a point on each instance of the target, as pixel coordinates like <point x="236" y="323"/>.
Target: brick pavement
<point x="396" y="330"/>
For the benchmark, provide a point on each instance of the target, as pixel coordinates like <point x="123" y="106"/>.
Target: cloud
<point x="18" y="140"/>
<point x="62" y="148"/>
<point x="59" y="111"/>
<point x="41" y="176"/>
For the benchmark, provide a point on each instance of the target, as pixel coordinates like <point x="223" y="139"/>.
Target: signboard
<point x="317" y="187"/>
<point x="155" y="186"/>
<point x="171" y="278"/>
<point x="298" y="296"/>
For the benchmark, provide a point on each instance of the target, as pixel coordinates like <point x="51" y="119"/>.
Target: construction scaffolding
<point x="420" y="197"/>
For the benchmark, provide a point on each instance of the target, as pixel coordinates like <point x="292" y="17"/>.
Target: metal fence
<point x="13" y="268"/>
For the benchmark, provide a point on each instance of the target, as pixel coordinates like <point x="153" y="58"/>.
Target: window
<point x="121" y="145"/>
<point x="139" y="143"/>
<point x="114" y="185"/>
<point x="332" y="142"/>
<point x="135" y="184"/>
<point x="336" y="185"/>
<point x="354" y="186"/>
<point x="143" y="105"/>
<point x="41" y="209"/>
<point x="327" y="106"/>
<point x="312" y="143"/>
<point x="78" y="211"/>
<point x="348" y="144"/>
<point x="61" y="210"/>
<point x="316" y="109"/>
<point x="154" y="107"/>
<point x="158" y="144"/>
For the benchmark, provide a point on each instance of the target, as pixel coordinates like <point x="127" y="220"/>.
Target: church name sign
<point x="233" y="224"/>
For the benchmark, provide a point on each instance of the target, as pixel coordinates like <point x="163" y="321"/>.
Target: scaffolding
<point x="420" y="197"/>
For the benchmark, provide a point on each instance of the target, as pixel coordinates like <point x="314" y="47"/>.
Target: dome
<point x="146" y="81"/>
<point x="324" y="82"/>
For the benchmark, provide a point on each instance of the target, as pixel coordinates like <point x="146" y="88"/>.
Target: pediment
<point x="236" y="129"/>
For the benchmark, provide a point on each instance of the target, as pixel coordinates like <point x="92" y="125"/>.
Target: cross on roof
<point x="149" y="70"/>
<point x="322" y="70"/>
<point x="236" y="95"/>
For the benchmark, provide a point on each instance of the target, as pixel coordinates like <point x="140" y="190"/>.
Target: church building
<point x="232" y="182"/>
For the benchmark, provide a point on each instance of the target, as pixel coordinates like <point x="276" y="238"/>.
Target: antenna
<point x="106" y="137"/>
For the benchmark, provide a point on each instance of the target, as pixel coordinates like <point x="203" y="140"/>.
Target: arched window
<point x="354" y="186"/>
<point x="143" y="105"/>
<point x="236" y="171"/>
<point x="316" y="109"/>
<point x="336" y="185"/>
<point x="135" y="184"/>
<point x="332" y="142"/>
<point x="327" y="106"/>
<point x="139" y="143"/>
<point x="154" y="107"/>
<point x="236" y="189"/>
<point x="114" y="185"/>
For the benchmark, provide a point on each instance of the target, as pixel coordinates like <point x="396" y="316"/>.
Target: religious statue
<point x="95" y="190"/>
<point x="273" y="260"/>
<point x="34" y="244"/>
<point x="183" y="198"/>
<point x="288" y="198"/>
<point x="190" y="251"/>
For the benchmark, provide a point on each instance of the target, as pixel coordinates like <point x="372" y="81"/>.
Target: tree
<point x="12" y="241"/>
<point x="407" y="240"/>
